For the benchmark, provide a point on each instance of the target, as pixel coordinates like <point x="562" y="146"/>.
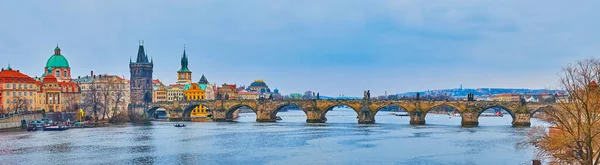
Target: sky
<point x="332" y="47"/>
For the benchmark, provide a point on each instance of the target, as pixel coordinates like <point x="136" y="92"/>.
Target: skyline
<point x="393" y="46"/>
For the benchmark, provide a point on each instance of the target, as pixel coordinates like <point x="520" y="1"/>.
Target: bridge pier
<point x="314" y="116"/>
<point x="264" y="116"/>
<point x="417" y="117"/>
<point x="470" y="119"/>
<point x="521" y="120"/>
<point x="220" y="115"/>
<point x="366" y="117"/>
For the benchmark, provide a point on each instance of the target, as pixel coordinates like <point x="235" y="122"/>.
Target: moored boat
<point x="56" y="128"/>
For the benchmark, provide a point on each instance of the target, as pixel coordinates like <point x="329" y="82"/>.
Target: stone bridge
<point x="315" y="110"/>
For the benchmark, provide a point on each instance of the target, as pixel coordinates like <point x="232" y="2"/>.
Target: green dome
<point x="57" y="61"/>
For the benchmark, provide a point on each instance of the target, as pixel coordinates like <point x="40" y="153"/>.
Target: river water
<point x="289" y="141"/>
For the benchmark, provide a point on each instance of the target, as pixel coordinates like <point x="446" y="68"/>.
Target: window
<point x="7" y="101"/>
<point x="14" y="86"/>
<point x="65" y="74"/>
<point x="30" y="86"/>
<point x="7" y="85"/>
<point x="19" y="86"/>
<point x="57" y="74"/>
<point x="25" y="93"/>
<point x="7" y="93"/>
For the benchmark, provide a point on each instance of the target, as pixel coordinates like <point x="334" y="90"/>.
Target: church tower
<point x="141" y="78"/>
<point x="184" y="75"/>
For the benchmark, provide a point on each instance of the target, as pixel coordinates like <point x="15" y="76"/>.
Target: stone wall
<point x="15" y="122"/>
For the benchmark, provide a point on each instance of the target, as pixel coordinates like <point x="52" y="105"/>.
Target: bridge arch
<point x="151" y="111"/>
<point x="505" y="108"/>
<point x="187" y="111"/>
<point x="454" y="108"/>
<point x="400" y="107"/>
<point x="282" y="106"/>
<point x="328" y="108"/>
<point x="542" y="109"/>
<point x="232" y="109"/>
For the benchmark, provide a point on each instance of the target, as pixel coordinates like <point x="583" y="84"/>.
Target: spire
<point x="56" y="50"/>
<point x="184" y="62"/>
<point x="141" y="57"/>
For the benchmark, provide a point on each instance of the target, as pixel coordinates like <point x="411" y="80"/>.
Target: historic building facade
<point x="175" y="92"/>
<point x="117" y="89"/>
<point x="210" y="90"/>
<point x="227" y="92"/>
<point x="57" y="92"/>
<point x="141" y="77"/>
<point x="194" y="92"/>
<point x="159" y="91"/>
<point x="17" y="91"/>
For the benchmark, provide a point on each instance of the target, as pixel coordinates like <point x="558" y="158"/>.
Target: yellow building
<point x="17" y="92"/>
<point x="195" y="92"/>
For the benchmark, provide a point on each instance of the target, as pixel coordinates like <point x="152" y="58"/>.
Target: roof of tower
<point x="203" y="80"/>
<point x="184" y="63"/>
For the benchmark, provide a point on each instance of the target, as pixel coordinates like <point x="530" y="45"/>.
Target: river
<point x="289" y="141"/>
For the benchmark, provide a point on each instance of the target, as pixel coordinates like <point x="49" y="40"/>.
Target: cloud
<point x="335" y="47"/>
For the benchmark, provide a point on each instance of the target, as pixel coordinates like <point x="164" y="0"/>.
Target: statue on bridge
<point x="318" y="97"/>
<point x="226" y="96"/>
<point x="219" y="96"/>
<point x="367" y="95"/>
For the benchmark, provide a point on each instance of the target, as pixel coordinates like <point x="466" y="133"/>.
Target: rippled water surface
<point x="289" y="141"/>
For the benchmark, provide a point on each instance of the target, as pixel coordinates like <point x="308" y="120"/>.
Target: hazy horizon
<point x="331" y="47"/>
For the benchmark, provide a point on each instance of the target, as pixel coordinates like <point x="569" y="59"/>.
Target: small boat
<point x="31" y="128"/>
<point x="179" y="125"/>
<point x="398" y="114"/>
<point x="55" y="128"/>
<point x="278" y="118"/>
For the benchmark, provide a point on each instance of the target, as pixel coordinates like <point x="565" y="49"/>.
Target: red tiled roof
<point x="157" y="81"/>
<point x="50" y="79"/>
<point x="66" y="85"/>
<point x="14" y="75"/>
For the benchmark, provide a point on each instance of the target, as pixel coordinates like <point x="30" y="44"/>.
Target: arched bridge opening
<point x="241" y="112"/>
<point x="288" y="112"/>
<point x="157" y="113"/>
<point x="443" y="114"/>
<point x="496" y="115"/>
<point x="196" y="112"/>
<point x="391" y="114"/>
<point x="340" y="112"/>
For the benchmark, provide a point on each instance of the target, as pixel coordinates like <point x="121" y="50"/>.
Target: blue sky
<point x="333" y="47"/>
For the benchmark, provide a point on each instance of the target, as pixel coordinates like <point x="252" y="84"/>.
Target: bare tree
<point x="105" y="91"/>
<point x="20" y="104"/>
<point x="117" y="97"/>
<point x="92" y="99"/>
<point x="574" y="137"/>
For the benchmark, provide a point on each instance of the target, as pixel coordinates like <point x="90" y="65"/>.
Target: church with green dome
<point x="59" y="66"/>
